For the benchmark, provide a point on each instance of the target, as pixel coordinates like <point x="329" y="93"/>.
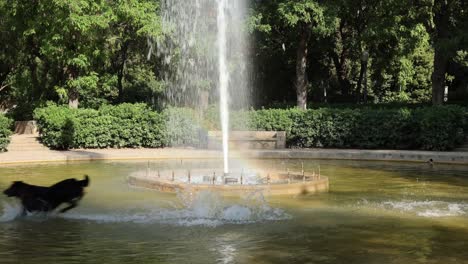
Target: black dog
<point x="45" y="199"/>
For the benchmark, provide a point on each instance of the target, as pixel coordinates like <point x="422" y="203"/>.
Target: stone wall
<point x="249" y="139"/>
<point x="25" y="127"/>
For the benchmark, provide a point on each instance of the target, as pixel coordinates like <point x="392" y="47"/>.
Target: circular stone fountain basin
<point x="234" y="184"/>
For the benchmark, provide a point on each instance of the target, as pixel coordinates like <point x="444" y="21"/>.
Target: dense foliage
<point x="427" y="128"/>
<point x="90" y="53"/>
<point x="127" y="125"/>
<point x="184" y="127"/>
<point x="5" y="132"/>
<point x="362" y="51"/>
<point x="362" y="54"/>
<point x="81" y="52"/>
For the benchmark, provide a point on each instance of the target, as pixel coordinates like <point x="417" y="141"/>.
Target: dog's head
<point x="15" y="189"/>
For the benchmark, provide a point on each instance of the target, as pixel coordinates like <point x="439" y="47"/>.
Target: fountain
<point x="223" y="81"/>
<point x="235" y="183"/>
<point x="207" y="56"/>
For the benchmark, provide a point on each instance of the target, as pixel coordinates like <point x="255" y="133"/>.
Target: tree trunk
<point x="73" y="98"/>
<point x="73" y="94"/>
<point x="339" y="55"/>
<point x="120" y="85"/>
<point x="363" y="77"/>
<point x="441" y="22"/>
<point x="120" y="71"/>
<point x="34" y="80"/>
<point x="438" y="77"/>
<point x="365" y="82"/>
<point x="341" y="74"/>
<point x="359" y="83"/>
<point x="204" y="100"/>
<point x="301" y="68"/>
<point x="5" y="72"/>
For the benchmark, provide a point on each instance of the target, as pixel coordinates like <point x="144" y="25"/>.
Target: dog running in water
<point x="45" y="199"/>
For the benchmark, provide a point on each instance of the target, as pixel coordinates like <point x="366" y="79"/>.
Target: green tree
<point x="75" y="43"/>
<point x="74" y="51"/>
<point x="391" y="33"/>
<point x="446" y="21"/>
<point x="304" y="17"/>
<point x="132" y="24"/>
<point x="301" y="19"/>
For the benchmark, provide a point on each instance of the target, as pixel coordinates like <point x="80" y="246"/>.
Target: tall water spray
<point x="206" y="55"/>
<point x="223" y="81"/>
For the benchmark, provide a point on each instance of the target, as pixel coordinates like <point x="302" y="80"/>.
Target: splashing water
<point x="201" y="209"/>
<point x="10" y="211"/>
<point x="14" y="210"/>
<point x="428" y="208"/>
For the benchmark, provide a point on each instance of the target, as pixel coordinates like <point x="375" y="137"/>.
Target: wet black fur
<point x="45" y="199"/>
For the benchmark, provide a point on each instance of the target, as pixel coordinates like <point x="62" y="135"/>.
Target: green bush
<point x="385" y="128"/>
<point x="5" y="132"/>
<point x="440" y="128"/>
<point x="125" y="125"/>
<point x="426" y="128"/>
<point x="136" y="125"/>
<point x="184" y="127"/>
<point x="56" y="126"/>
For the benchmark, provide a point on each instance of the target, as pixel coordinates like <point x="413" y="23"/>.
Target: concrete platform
<point x="174" y="153"/>
<point x="272" y="184"/>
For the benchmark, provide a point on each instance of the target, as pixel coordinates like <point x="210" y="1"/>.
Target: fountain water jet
<point x="206" y="55"/>
<point x="223" y="81"/>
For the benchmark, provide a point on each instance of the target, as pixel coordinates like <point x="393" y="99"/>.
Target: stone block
<point x="249" y="139"/>
<point x="26" y="127"/>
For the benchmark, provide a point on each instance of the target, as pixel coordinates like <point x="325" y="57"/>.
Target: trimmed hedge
<point x="426" y="128"/>
<point x="184" y="128"/>
<point x="127" y="125"/>
<point x="5" y="132"/>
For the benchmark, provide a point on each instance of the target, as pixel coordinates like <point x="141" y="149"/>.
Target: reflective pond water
<point x="375" y="212"/>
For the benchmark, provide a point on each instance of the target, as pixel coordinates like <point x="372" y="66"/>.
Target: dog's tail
<point x="85" y="182"/>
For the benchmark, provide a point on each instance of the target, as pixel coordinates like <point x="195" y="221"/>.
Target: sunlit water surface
<point x="374" y="213"/>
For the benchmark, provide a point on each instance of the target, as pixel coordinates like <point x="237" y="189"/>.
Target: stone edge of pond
<point x="46" y="156"/>
<point x="314" y="185"/>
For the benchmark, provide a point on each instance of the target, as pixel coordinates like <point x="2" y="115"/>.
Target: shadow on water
<point x="409" y="172"/>
<point x="54" y="240"/>
<point x="363" y="238"/>
<point x="43" y="240"/>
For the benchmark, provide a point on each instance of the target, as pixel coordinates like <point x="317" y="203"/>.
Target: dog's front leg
<point x="25" y="207"/>
<point x="72" y="205"/>
<point x="24" y="211"/>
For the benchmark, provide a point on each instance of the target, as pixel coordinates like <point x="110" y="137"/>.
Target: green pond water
<point x="375" y="212"/>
